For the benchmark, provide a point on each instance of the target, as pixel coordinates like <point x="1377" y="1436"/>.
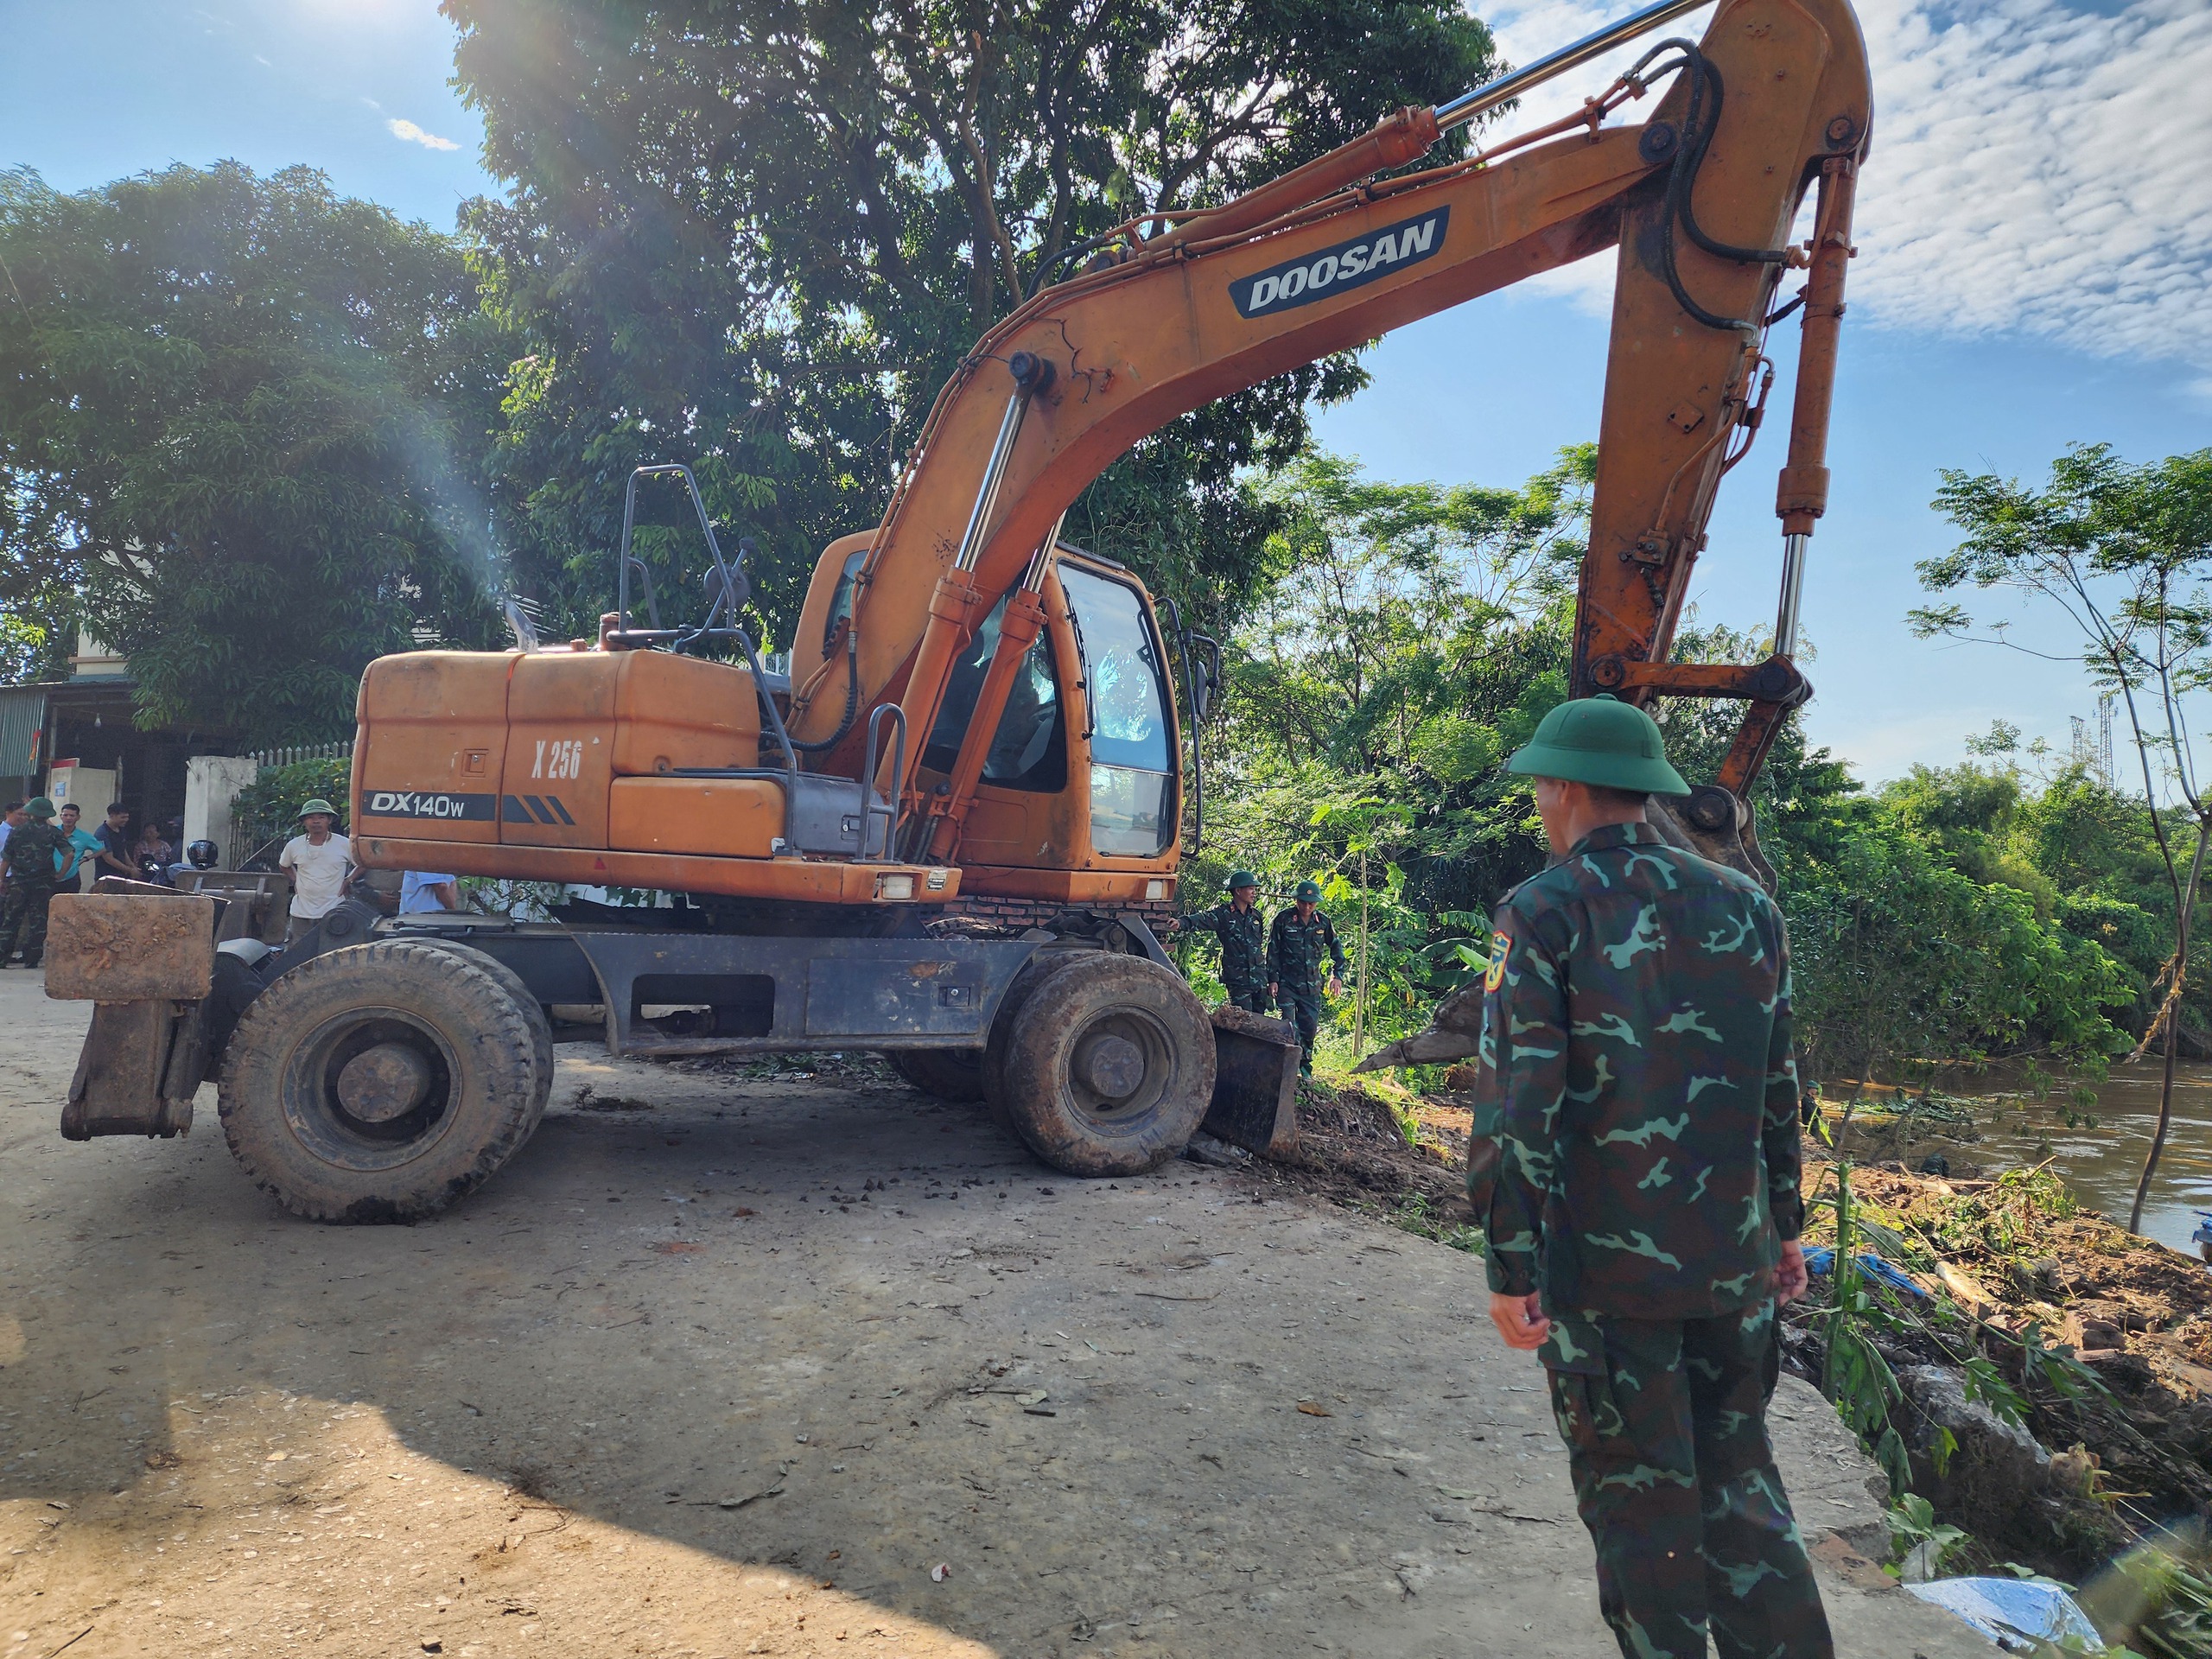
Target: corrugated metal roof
<point x="23" y="717"/>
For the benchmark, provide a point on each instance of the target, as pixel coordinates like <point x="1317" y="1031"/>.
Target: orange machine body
<point x="564" y="765"/>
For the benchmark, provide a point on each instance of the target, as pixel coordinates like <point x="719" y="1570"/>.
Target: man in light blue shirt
<point x="421" y="891"/>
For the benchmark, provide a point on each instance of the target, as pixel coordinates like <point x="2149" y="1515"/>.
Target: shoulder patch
<point x="1500" y="943"/>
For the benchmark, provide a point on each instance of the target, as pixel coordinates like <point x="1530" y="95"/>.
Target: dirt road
<point x="720" y="1367"/>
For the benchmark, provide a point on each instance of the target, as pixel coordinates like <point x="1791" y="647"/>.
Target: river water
<point x="2101" y="1165"/>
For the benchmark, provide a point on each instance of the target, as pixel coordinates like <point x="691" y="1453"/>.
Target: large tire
<point x="541" y="1028"/>
<point x="380" y="1082"/>
<point x="1110" y="1066"/>
<point x="955" y="1074"/>
<point x="997" y="1102"/>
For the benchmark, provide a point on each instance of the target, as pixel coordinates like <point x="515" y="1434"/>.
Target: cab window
<point x="1133" y="793"/>
<point x="1029" y="750"/>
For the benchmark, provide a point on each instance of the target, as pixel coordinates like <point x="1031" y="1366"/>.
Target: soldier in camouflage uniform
<point x="1295" y="945"/>
<point x="1243" y="941"/>
<point x="33" y="861"/>
<point x="1636" y="1168"/>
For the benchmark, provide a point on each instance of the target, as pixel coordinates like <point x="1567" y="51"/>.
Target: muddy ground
<point x="726" y="1366"/>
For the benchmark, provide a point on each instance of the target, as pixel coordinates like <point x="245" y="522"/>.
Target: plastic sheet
<point x="1820" y="1259"/>
<point x="2010" y="1612"/>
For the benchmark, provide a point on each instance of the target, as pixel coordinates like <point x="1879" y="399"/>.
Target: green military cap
<point x="38" y="807"/>
<point x="318" y="804"/>
<point x="1309" y="892"/>
<point x="1241" y="879"/>
<point x="1600" y="740"/>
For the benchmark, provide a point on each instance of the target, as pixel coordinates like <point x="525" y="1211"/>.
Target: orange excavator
<point x="949" y="831"/>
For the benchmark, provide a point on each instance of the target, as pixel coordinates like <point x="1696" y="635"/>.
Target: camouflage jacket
<point x="1295" y="949"/>
<point x="1243" y="943"/>
<point x="1636" y="1148"/>
<point x="30" y="854"/>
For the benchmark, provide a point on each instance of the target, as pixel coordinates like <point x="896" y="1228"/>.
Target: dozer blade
<point x="1255" y="1082"/>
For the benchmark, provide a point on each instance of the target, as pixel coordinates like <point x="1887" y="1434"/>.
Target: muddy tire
<point x="541" y="1028"/>
<point x="1035" y="972"/>
<point x="955" y="1074"/>
<point x="1109" y="1067"/>
<point x="380" y="1082"/>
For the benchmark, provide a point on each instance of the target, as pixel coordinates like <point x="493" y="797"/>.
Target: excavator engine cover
<point x="563" y="748"/>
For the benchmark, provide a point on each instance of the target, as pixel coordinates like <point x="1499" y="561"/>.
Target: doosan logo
<point x="1348" y="265"/>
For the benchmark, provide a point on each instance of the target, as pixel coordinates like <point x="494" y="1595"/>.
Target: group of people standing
<point x="1279" y="967"/>
<point x="44" y="850"/>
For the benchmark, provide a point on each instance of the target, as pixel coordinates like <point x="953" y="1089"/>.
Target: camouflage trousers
<point x="22" y="916"/>
<point x="1665" y="1424"/>
<point x="1252" y="999"/>
<point x="1303" y="1010"/>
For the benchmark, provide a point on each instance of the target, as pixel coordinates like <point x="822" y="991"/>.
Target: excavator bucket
<point x="1255" y="1082"/>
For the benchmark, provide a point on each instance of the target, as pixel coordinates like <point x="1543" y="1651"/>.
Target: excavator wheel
<point x="1034" y="973"/>
<point x="380" y="1082"/>
<point x="955" y="1074"/>
<point x="1109" y="1066"/>
<point x="541" y="1028"/>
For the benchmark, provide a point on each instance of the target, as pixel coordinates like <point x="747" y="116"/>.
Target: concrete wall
<point x="211" y="782"/>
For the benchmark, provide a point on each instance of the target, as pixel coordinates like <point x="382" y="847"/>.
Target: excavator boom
<point x="1773" y="102"/>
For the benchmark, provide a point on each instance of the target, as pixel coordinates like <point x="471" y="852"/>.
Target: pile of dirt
<point x="1352" y="1150"/>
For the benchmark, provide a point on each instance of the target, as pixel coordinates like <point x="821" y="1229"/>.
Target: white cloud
<point x="415" y="135"/>
<point x="371" y="102"/>
<point x="2037" y="166"/>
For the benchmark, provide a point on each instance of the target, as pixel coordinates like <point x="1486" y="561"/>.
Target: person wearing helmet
<point x="33" y="857"/>
<point x="1635" y="1167"/>
<point x="317" y="860"/>
<point x="1301" y="936"/>
<point x="1243" y="941"/>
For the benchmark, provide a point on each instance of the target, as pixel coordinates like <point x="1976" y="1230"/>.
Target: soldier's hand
<point x="1336" y="986"/>
<point x="1520" y="1320"/>
<point x="1790" y="1278"/>
<point x="1275" y="992"/>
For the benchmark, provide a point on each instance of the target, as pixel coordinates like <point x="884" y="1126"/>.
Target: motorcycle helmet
<point x="202" y="855"/>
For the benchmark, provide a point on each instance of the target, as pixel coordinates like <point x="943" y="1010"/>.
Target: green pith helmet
<point x="1599" y="740"/>
<point x="1309" y="892"/>
<point x="38" y="807"/>
<point x="1241" y="879"/>
<point x="319" y="804"/>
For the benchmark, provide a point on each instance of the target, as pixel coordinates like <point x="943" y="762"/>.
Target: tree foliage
<point x="1413" y="637"/>
<point x="758" y="235"/>
<point x="237" y="419"/>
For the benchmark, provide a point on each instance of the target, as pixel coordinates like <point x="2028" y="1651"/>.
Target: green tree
<point x="1414" y="634"/>
<point x="238" y="420"/>
<point x="2122" y="552"/>
<point x="758" y="235"/>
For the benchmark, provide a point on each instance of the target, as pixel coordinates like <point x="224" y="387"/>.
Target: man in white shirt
<point x="318" y="861"/>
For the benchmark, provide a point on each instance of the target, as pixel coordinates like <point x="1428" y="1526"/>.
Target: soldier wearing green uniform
<point x="34" y="855"/>
<point x="1243" y="941"/>
<point x="1296" y="943"/>
<point x="1636" y="1168"/>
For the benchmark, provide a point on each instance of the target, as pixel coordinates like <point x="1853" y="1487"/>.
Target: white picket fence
<point x="303" y="752"/>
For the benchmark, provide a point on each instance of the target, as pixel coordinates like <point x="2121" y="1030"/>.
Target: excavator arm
<point x="1773" y="104"/>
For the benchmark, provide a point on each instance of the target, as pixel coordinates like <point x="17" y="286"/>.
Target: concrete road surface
<point x="724" y="1367"/>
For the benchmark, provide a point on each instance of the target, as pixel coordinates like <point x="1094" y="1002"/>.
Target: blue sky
<point x="2036" y="226"/>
